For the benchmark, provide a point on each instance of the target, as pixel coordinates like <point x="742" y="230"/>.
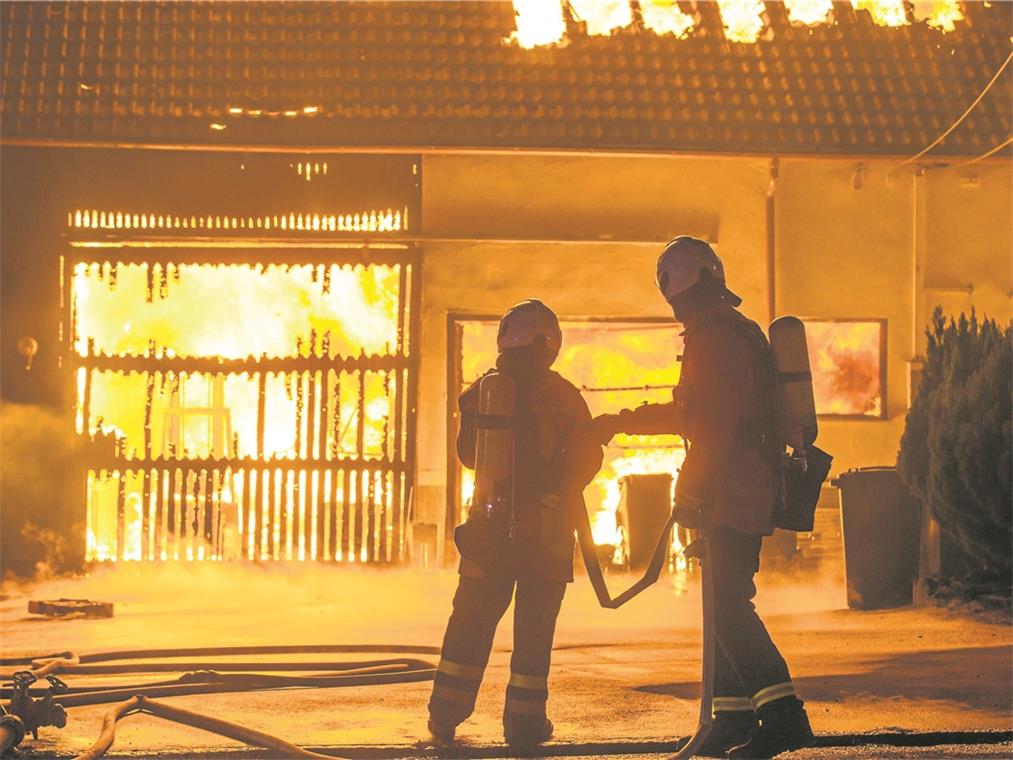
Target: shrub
<point x="955" y="453"/>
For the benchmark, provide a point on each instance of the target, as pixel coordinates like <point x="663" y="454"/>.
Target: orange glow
<point x="357" y="305"/>
<point x="539" y="22"/>
<point x="603" y="16"/>
<point x="184" y="421"/>
<point x="845" y="362"/>
<point x="808" y="12"/>
<point x="742" y="19"/>
<point x="375" y="220"/>
<point x="665" y="17"/>
<point x="884" y="12"/>
<point x="613" y="363"/>
<point x="939" y="14"/>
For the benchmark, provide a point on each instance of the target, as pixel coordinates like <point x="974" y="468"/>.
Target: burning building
<point x="251" y="252"/>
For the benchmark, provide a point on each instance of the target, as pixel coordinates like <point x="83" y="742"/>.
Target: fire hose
<point x="29" y="709"/>
<point x="34" y="709"/>
<point x="699" y="550"/>
<point x="235" y="731"/>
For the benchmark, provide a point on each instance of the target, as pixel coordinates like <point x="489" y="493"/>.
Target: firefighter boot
<point x="784" y="726"/>
<point x="441" y="730"/>
<point x="525" y="732"/>
<point x="730" y="729"/>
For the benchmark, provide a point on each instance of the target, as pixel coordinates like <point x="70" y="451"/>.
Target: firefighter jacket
<point x="554" y="459"/>
<point x="724" y="407"/>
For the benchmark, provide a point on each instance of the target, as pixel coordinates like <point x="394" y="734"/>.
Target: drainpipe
<point x="929" y="555"/>
<point x="772" y="240"/>
<point x="918" y="241"/>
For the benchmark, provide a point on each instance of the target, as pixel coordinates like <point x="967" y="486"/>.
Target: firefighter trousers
<point x="478" y="606"/>
<point x="749" y="671"/>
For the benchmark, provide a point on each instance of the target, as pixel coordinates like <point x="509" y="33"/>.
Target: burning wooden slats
<point x="297" y="456"/>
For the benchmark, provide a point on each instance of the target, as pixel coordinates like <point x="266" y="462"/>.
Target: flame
<point x="232" y="312"/>
<point x="808" y="12"/>
<point x="603" y="16"/>
<point x="627" y="458"/>
<point x="939" y="14"/>
<point x="618" y="365"/>
<point x="665" y="17"/>
<point x="371" y="220"/>
<point x="539" y="22"/>
<point x="200" y="310"/>
<point x="845" y="362"/>
<point x="883" y="12"/>
<point x="742" y="19"/>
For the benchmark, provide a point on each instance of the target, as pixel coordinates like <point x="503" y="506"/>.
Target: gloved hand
<point x="604" y="428"/>
<point x="687" y="511"/>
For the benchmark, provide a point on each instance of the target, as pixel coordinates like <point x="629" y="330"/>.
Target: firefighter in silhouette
<point x="524" y="430"/>
<point x="725" y="407"/>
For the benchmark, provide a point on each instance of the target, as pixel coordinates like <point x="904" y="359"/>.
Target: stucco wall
<point x="536" y="198"/>
<point x="969" y="233"/>
<point x="840" y="252"/>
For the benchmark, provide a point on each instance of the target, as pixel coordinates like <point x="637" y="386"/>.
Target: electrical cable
<point x="985" y="155"/>
<point x="960" y="119"/>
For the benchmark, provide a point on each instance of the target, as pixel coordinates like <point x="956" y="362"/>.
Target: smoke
<point x="215" y="603"/>
<point x="37" y="512"/>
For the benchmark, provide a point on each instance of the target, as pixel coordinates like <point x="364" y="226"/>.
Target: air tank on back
<point x="494" y="455"/>
<point x="796" y="413"/>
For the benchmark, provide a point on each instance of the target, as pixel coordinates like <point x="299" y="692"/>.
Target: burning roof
<point x="865" y="77"/>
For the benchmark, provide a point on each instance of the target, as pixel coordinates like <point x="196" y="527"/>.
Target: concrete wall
<point x="502" y="228"/>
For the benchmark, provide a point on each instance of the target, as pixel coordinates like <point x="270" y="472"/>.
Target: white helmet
<point x="681" y="263"/>
<point x="524" y="322"/>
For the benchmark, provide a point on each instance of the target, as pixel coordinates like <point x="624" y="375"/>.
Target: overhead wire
<point x="967" y="112"/>
<point x="986" y="154"/>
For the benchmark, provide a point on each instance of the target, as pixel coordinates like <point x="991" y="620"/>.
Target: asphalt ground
<point x="623" y="682"/>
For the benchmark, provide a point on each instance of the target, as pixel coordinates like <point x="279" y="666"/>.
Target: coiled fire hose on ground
<point x="203" y="677"/>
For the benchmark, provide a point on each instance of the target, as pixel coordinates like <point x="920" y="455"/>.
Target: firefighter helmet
<point x="526" y="321"/>
<point x="681" y="263"/>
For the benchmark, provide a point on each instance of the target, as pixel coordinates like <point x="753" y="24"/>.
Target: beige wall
<point x="970" y="239"/>
<point x="840" y="252"/>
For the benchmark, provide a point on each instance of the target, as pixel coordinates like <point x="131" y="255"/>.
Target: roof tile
<point x="441" y="73"/>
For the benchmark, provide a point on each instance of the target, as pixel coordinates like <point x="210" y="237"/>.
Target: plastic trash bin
<point x="880" y="526"/>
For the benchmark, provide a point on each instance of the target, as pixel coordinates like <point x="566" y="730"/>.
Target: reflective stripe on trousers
<point x="527" y="695"/>
<point x="478" y="606"/>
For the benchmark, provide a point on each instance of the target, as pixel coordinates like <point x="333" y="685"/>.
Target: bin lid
<point x="859" y="471"/>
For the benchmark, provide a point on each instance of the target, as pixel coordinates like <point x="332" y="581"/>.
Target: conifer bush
<point x="956" y="453"/>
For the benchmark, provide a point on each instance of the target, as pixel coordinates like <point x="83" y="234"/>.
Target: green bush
<point x="955" y="454"/>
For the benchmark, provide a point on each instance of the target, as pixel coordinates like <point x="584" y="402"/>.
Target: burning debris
<point x="67" y="608"/>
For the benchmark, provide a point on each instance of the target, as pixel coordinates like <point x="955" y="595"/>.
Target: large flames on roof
<point x="543" y="22"/>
